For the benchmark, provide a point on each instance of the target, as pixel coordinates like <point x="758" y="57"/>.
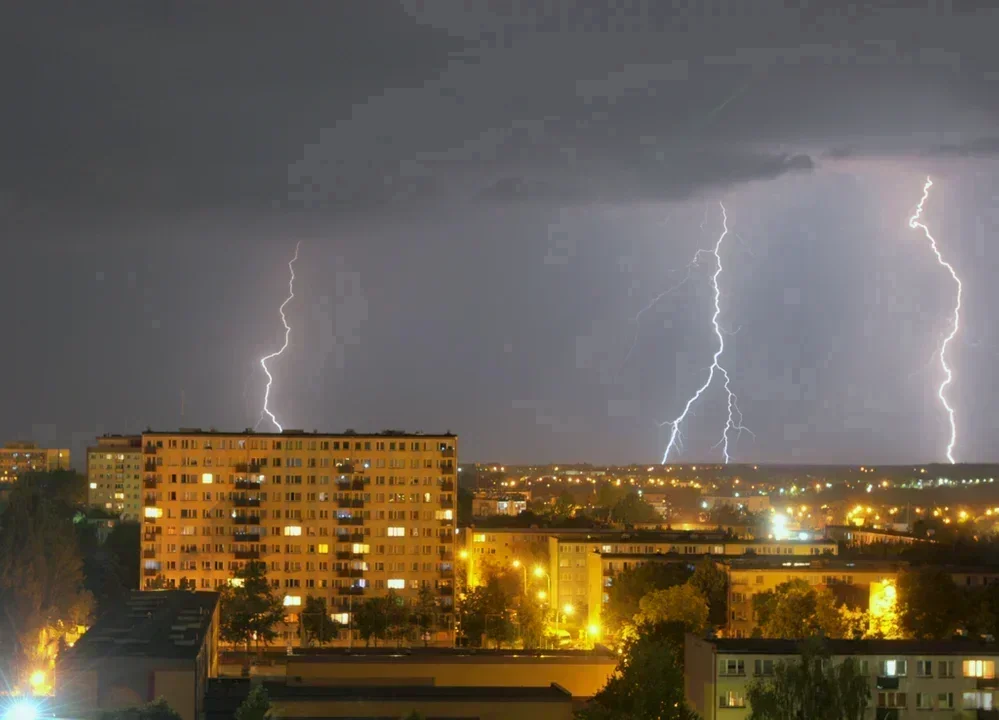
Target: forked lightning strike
<point x="287" y="334"/>
<point x="734" y="421"/>
<point x="914" y="223"/>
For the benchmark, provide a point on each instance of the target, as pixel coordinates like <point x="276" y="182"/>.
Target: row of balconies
<point x="350" y="503"/>
<point x="246" y="502"/>
<point x="891" y="682"/>
<point x="349" y="521"/>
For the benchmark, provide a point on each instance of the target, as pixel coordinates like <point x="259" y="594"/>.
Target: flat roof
<point x="449" y="655"/>
<point x="299" y="433"/>
<point x="653" y="535"/>
<point x="762" y="646"/>
<point x="809" y="563"/>
<point x="159" y="623"/>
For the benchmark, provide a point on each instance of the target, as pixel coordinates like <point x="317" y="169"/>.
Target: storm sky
<point x="486" y="195"/>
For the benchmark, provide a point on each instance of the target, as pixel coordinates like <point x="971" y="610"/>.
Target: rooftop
<point x="296" y="433"/>
<point x="805" y="564"/>
<point x="761" y="646"/>
<point x="219" y="690"/>
<point x="450" y="655"/>
<point x="161" y="624"/>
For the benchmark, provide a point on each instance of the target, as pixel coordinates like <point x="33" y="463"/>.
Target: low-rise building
<point x="490" y="702"/>
<point x="908" y="678"/>
<point x="17" y="458"/>
<point x="161" y="644"/>
<point x="114" y="475"/>
<point x="866" y="536"/>
<point x="486" y="504"/>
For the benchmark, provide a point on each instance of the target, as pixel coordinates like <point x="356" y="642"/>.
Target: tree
<point x="712" y="582"/>
<point x="682" y="604"/>
<point x="41" y="575"/>
<point x="371" y="620"/>
<point x="425" y="613"/>
<point x="795" y="609"/>
<point x="316" y="624"/>
<point x="810" y="689"/>
<point x="485" y="612"/>
<point x="648" y="682"/>
<point x="632" y="510"/>
<point x="248" y="609"/>
<point x="156" y="710"/>
<point x="531" y="619"/>
<point x="929" y="603"/>
<point x="631" y="585"/>
<point x="396" y="618"/>
<point x="256" y="706"/>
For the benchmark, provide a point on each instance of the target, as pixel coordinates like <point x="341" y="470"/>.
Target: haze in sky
<point x="485" y="195"/>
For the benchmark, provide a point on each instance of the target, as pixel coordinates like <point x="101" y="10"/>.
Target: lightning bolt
<point x="734" y="421"/>
<point x="287" y="334"/>
<point x="914" y="223"/>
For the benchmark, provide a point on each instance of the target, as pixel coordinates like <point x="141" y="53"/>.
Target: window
<point x="292" y="600"/>
<point x="732" y="699"/>
<point x="206" y="478"/>
<point x="763" y="667"/>
<point x="324" y="549"/>
<point x="892" y="668"/>
<point x="891" y="699"/>
<point x="396" y="584"/>
<point x="945" y="669"/>
<point x="979" y="669"/>
<point x="924" y="701"/>
<point x="924" y="669"/>
<point x="292" y="530"/>
<point x="977" y="701"/>
<point x="478" y="537"/>
<point x="360" y="548"/>
<point x="945" y="701"/>
<point x="397" y="532"/>
<point x="733" y="667"/>
<point x="153" y="512"/>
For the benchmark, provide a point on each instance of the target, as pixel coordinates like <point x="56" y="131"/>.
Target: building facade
<point x="935" y="680"/>
<point x="114" y="475"/>
<point x="342" y="517"/>
<point x="487" y="504"/>
<point x="21" y="457"/>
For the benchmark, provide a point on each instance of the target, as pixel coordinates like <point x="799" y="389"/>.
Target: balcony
<point x="357" y="537"/>
<point x="149" y="450"/>
<point x="149" y="502"/>
<point x="343" y="554"/>
<point x="887" y="683"/>
<point x="992" y="714"/>
<point x="987" y="683"/>
<point x="445" y="555"/>
<point x="151" y="536"/>
<point x="357" y="485"/>
<point x="447" y="485"/>
<point x="447" y="469"/>
<point x="350" y="591"/>
<point x="245" y="536"/>
<point x="246" y="519"/>
<point x="244" y="484"/>
<point x="148" y="554"/>
<point x="445" y="590"/>
<point x="883" y="713"/>
<point x="246" y="502"/>
<point x="150" y="466"/>
<point x="447" y="452"/>
<point x="345" y="469"/>
<point x="344" y="504"/>
<point x="349" y="573"/>
<point x="447" y="504"/>
<point x="149" y="483"/>
<point x="150" y="572"/>
<point x="350" y="521"/>
<point x="446" y="572"/>
<point x="247" y="554"/>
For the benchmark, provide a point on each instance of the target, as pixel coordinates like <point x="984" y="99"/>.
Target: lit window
<point x="154" y="512"/>
<point x="93" y="486"/>
<point x="235" y="582"/>
<point x="396" y="584"/>
<point x="478" y="537"/>
<point x="206" y="478"/>
<point x="341" y="618"/>
<point x="292" y="600"/>
<point x="292" y="530"/>
<point x="361" y="547"/>
<point x="397" y="532"/>
<point x="324" y="549"/>
<point x="444" y="514"/>
<point x="980" y="669"/>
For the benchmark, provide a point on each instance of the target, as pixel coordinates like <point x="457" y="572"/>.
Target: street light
<point x="520" y="566"/>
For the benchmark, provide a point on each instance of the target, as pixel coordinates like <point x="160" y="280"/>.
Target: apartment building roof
<point x="162" y="624"/>
<point x="299" y="433"/>
<point x="805" y="564"/>
<point x="762" y="646"/>
<point x="650" y="536"/>
<point x="451" y="655"/>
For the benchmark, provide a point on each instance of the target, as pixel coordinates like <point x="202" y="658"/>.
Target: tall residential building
<point x="114" y="475"/>
<point x="343" y="517"/>
<point x="22" y="457"/>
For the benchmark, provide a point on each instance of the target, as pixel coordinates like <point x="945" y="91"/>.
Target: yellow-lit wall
<point x="582" y="677"/>
<point x="328" y="514"/>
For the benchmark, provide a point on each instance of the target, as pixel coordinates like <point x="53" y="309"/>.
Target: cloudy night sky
<point x="486" y="194"/>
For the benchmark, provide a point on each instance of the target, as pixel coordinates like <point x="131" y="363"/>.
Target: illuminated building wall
<point x="21" y="457"/>
<point x="344" y="517"/>
<point x="114" y="475"/>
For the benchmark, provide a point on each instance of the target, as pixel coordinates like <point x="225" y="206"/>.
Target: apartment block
<point x="114" y="475"/>
<point x="22" y="457"/>
<point x="340" y="516"/>
<point x="908" y="678"/>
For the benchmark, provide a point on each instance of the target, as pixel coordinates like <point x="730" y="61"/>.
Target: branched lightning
<point x="914" y="223"/>
<point x="734" y="421"/>
<point x="287" y="334"/>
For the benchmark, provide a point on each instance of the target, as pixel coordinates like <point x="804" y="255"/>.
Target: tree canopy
<point x="681" y="604"/>
<point x="156" y="710"/>
<point x="929" y="603"/>
<point x="631" y="585"/>
<point x="632" y="510"/>
<point x="248" y="608"/>
<point x="810" y="689"/>
<point x="318" y="628"/>
<point x="256" y="706"/>
<point x="712" y="582"/>
<point x="795" y="609"/>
